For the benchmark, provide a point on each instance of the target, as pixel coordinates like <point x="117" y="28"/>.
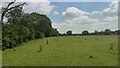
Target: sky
<point x="78" y="16"/>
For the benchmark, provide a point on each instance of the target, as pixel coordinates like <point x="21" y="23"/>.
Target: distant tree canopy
<point x="96" y="32"/>
<point x="85" y="32"/>
<point x="21" y="27"/>
<point x="69" y="32"/>
<point x="107" y="31"/>
<point x="118" y="32"/>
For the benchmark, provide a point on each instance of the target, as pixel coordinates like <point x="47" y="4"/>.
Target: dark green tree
<point x="107" y="32"/>
<point x="21" y="27"/>
<point x="69" y="32"/>
<point x="96" y="32"/>
<point x="8" y="8"/>
<point x="55" y="32"/>
<point x="85" y="32"/>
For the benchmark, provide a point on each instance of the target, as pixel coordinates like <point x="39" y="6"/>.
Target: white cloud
<point x="39" y="7"/>
<point x="78" y="20"/>
<point x="94" y="12"/>
<point x="77" y="26"/>
<point x="112" y="10"/>
<point x="0" y="8"/>
<point x="0" y="5"/>
<point x="56" y="13"/>
<point x="81" y="23"/>
<point x="108" y="19"/>
<point x="72" y="12"/>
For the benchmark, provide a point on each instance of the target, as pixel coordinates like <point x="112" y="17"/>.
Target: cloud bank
<point x="78" y="20"/>
<point x="39" y="7"/>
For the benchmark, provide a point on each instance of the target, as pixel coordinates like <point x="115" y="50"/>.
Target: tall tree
<point x="21" y="27"/>
<point x="5" y="10"/>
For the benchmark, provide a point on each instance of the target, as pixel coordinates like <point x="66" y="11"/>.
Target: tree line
<point x="96" y="32"/>
<point x="21" y="27"/>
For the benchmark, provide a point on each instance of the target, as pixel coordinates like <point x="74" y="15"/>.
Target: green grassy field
<point x="65" y="51"/>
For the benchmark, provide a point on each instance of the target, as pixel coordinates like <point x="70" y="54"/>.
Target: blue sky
<point x="85" y="6"/>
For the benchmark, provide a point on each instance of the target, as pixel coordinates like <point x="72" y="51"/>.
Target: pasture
<point x="65" y="51"/>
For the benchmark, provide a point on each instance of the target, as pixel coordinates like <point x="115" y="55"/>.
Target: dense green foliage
<point x="65" y="51"/>
<point x="22" y="27"/>
<point x="69" y="32"/>
<point x="107" y="31"/>
<point x="85" y="32"/>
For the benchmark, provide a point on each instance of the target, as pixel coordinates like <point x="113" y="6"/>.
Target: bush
<point x="39" y="35"/>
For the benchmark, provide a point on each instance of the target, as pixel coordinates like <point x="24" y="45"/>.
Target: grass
<point x="65" y="51"/>
<point x="0" y="58"/>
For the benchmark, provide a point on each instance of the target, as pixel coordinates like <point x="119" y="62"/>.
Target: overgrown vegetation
<point x="21" y="27"/>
